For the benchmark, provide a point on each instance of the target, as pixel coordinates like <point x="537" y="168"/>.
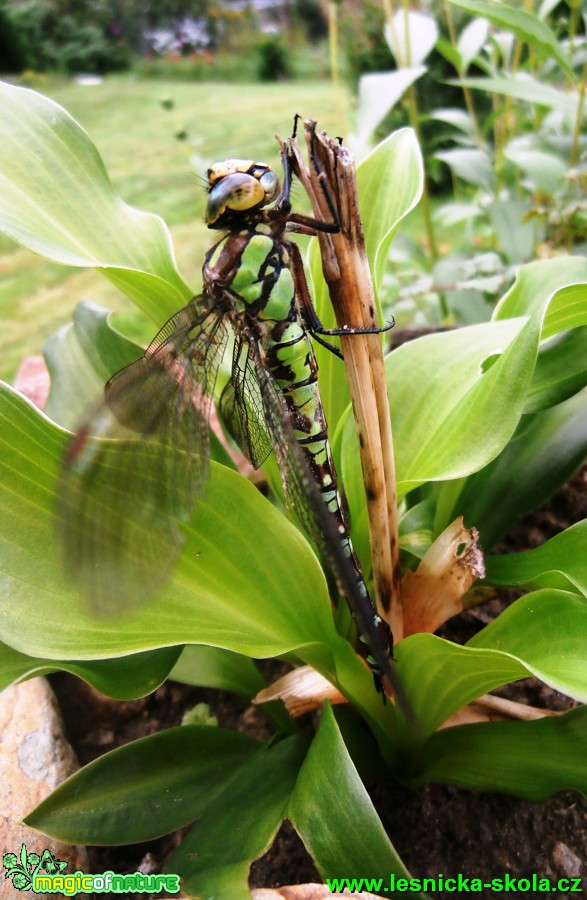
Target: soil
<point x="439" y="829"/>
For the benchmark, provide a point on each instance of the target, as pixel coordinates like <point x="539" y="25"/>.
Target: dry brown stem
<point x="347" y="275"/>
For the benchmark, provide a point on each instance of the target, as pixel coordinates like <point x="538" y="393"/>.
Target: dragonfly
<point x="133" y="472"/>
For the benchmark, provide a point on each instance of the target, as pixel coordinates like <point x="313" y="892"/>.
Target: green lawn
<point x="152" y="170"/>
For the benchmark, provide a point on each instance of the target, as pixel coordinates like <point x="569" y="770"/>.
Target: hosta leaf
<point x="543" y="454"/>
<point x="560" y="562"/>
<point x="524" y="24"/>
<point x="542" y="634"/>
<point x="466" y="756"/>
<point x="145" y="789"/>
<point x="56" y="199"/>
<point x="223" y="593"/>
<point x="547" y="631"/>
<point x="334" y="815"/>
<point x="524" y="87"/>
<point x="125" y="679"/>
<point x="378" y="94"/>
<point x="213" y="667"/>
<point x="240" y="824"/>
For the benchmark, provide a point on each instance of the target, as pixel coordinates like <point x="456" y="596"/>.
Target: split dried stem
<point x="347" y="274"/>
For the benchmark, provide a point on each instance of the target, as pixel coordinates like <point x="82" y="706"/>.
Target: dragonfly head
<point x="237" y="188"/>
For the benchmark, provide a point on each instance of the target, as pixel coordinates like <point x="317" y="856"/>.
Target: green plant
<point x="488" y="420"/>
<point x="274" y="64"/>
<point x="514" y="148"/>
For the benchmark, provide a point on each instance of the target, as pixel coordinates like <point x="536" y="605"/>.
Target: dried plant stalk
<point x="346" y="270"/>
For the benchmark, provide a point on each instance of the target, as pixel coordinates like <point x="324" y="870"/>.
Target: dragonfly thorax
<point x="238" y="188"/>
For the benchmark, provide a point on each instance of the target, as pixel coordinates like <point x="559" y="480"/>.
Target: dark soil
<point x="439" y="829"/>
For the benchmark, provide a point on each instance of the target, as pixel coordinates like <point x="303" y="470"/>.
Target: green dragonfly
<point x="123" y="500"/>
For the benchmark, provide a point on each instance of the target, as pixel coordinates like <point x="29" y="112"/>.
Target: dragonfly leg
<point x="309" y="314"/>
<point x="303" y="224"/>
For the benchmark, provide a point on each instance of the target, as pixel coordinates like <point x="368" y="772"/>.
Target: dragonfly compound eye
<point x="236" y="193"/>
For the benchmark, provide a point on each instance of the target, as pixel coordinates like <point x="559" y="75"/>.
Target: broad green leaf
<point x="411" y="36"/>
<point x="546" y="170"/>
<point x="378" y="94"/>
<point x="524" y="24"/>
<point x="334" y="815"/>
<point x="472" y="165"/>
<point x="441" y="677"/>
<point x="81" y="357"/>
<point x="56" y="199"/>
<point x="471" y="40"/>
<point x="560" y="562"/>
<point x="543" y="454"/>
<point x="524" y="87"/>
<point x="216" y="668"/>
<point x="390" y="182"/>
<point x="240" y="824"/>
<point x="561" y="370"/>
<point x="147" y="788"/>
<point x="542" y="634"/>
<point x="458" y="118"/>
<point x="535" y="288"/>
<point x="450" y="417"/>
<point x="466" y="756"/>
<point x="457" y="397"/>
<point x="247" y="580"/>
<point x="125" y="679"/>
<point x="547" y="632"/>
<point x="516" y="237"/>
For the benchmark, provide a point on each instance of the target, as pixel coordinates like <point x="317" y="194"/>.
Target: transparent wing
<point x="306" y="501"/>
<point x="137" y="466"/>
<point x="241" y="407"/>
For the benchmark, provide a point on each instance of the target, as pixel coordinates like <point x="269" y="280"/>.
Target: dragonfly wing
<point x="135" y="469"/>
<point x="306" y="501"/>
<point x="241" y="407"/>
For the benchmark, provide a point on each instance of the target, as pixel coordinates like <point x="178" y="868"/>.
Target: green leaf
<point x="240" y="824"/>
<point x="216" y="668"/>
<point x="247" y="579"/>
<point x="561" y="370"/>
<point x="125" y="679"/>
<point x="450" y="417"/>
<point x="546" y="170"/>
<point x="395" y="161"/>
<point x="457" y="397"/>
<point x="547" y="631"/>
<point x="560" y="562"/>
<point x="471" y="41"/>
<point x="472" y="165"/>
<point x="56" y="199"/>
<point x="543" y="454"/>
<point x="440" y="677"/>
<point x="466" y="756"/>
<point x="378" y="94"/>
<point x="334" y="815"/>
<point x="524" y="87"/>
<point x="145" y="789"/>
<point x="81" y="357"/>
<point x="542" y="634"/>
<point x="524" y="24"/>
<point x="557" y="287"/>
<point x="517" y="237"/>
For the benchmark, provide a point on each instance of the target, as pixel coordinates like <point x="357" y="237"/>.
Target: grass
<point x="152" y="170"/>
